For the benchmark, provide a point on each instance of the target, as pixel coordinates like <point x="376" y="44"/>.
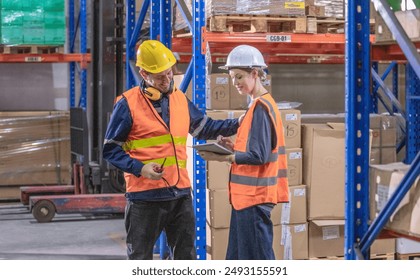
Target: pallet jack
<point x="45" y="202"/>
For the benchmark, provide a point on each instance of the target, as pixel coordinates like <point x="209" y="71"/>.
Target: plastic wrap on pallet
<point x="220" y="7"/>
<point x="35" y="148"/>
<point x="36" y="22"/>
<point x="178" y="20"/>
<point x="384" y="138"/>
<point x="248" y="7"/>
<point x="333" y="8"/>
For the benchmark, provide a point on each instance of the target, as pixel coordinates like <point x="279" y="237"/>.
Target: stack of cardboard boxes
<point x="218" y="209"/>
<point x="221" y="94"/>
<point x="292" y="232"/>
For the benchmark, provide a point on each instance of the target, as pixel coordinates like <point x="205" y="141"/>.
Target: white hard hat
<point x="244" y="56"/>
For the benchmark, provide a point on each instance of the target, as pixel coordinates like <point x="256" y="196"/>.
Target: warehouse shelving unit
<point x="77" y="60"/>
<point x="354" y="50"/>
<point x="359" y="235"/>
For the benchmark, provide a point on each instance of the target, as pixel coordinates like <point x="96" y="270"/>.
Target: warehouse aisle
<point x="67" y="237"/>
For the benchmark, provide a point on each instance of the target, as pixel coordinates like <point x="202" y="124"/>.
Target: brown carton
<point x="178" y="80"/>
<point x="293" y="242"/>
<point x="323" y="170"/>
<point x="294" y="212"/>
<point x="291" y="127"/>
<point x="384" y="181"/>
<point x="218" y="91"/>
<point x="294" y="166"/>
<point x="218" y="208"/>
<point x="326" y="238"/>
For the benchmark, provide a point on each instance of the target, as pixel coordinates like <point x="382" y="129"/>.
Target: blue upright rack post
<point x="413" y="114"/>
<point x="72" y="32"/>
<point x="72" y="65"/>
<point x="357" y="123"/>
<point x="198" y="97"/>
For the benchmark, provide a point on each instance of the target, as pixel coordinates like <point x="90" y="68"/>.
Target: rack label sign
<point x="33" y="59"/>
<point x="279" y="38"/>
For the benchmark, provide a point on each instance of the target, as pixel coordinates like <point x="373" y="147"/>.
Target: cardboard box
<point x="407" y="246"/>
<point x="287" y="8"/>
<point x="294" y="166"/>
<point x="218" y="172"/>
<point x="322" y="118"/>
<point x="384" y="181"/>
<point x="218" y="175"/>
<point x="293" y="242"/>
<point x="382" y="247"/>
<point x="384" y="139"/>
<point x="294" y="212"/>
<point x="409" y="20"/>
<point x="218" y="208"/>
<point x="217" y="241"/>
<point x="291" y="127"/>
<point x="315" y="11"/>
<point x="178" y="80"/>
<point x="323" y="170"/>
<point x="217" y="92"/>
<point x="326" y="238"/>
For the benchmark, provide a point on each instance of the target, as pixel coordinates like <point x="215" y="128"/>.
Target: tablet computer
<point x="213" y="147"/>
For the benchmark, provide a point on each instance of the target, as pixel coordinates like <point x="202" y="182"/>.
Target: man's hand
<point x="217" y="157"/>
<point x="152" y="171"/>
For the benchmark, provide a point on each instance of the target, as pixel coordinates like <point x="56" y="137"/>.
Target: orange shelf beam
<point x="292" y="48"/>
<point x="45" y="58"/>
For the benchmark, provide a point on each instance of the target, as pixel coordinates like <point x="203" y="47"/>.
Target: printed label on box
<point x="300" y="228"/>
<point x="291" y="117"/>
<point x="222" y="80"/>
<point x="330" y="232"/>
<point x="295" y="155"/>
<point x="299" y="192"/>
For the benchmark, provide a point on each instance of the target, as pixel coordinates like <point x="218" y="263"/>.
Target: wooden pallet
<point x="256" y="23"/>
<point x="412" y="256"/>
<point x="388" y="256"/>
<point x="323" y="25"/>
<point x="31" y="49"/>
<point x="327" y="258"/>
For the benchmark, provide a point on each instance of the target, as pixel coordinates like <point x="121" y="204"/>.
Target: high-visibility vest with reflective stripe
<point x="150" y="140"/>
<point x="256" y="184"/>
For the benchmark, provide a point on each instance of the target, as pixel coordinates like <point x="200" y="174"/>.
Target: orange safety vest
<point x="150" y="140"/>
<point x="256" y="184"/>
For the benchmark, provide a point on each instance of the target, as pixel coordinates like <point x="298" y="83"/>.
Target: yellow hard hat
<point x="154" y="57"/>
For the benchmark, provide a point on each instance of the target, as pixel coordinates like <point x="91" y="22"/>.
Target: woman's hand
<point x="209" y="156"/>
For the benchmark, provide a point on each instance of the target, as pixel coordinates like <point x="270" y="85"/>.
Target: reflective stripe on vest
<point x="256" y="184"/>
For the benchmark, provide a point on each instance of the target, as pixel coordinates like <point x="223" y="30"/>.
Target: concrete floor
<point x="66" y="237"/>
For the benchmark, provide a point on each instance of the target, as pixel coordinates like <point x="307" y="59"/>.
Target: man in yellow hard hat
<point x="146" y="138"/>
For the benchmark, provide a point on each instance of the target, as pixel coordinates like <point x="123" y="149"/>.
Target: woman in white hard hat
<point x="258" y="176"/>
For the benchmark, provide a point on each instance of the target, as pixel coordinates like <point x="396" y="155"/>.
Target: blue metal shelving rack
<point x="73" y="26"/>
<point x="358" y="235"/>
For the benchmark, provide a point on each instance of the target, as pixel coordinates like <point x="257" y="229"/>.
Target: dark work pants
<point x="250" y="235"/>
<point x="145" y="220"/>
